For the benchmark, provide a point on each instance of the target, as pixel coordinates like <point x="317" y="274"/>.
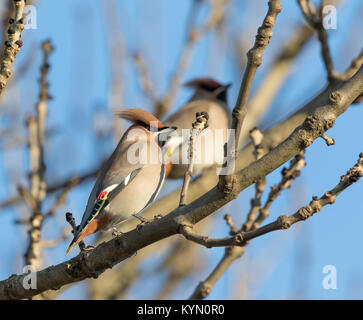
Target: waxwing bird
<point x="209" y="96"/>
<point x="131" y="178"/>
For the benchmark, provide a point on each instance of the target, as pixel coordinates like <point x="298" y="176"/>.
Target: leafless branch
<point x="254" y="61"/>
<point x="144" y="77"/>
<point x="256" y="137"/>
<point x="275" y="78"/>
<point x="67" y="183"/>
<point x="283" y="221"/>
<point x="36" y="128"/>
<point x="12" y="44"/>
<point x="116" y="48"/>
<point x="72" y="222"/>
<point x="193" y="35"/>
<point x="197" y="127"/>
<point x="205" y="287"/>
<point x="288" y="175"/>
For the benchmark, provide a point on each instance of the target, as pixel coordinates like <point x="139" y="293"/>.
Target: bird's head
<point x="166" y="137"/>
<point x="208" y="87"/>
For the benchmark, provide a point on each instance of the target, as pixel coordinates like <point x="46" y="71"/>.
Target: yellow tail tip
<point x="70" y="247"/>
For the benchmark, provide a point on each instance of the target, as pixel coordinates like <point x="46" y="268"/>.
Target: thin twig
<point x="72" y="222"/>
<point x="116" y="48"/>
<point x="194" y="34"/>
<point x="146" y="83"/>
<point x="197" y="127"/>
<point x="36" y="128"/>
<point x="315" y="20"/>
<point x="229" y="221"/>
<point x="282" y="222"/>
<point x="275" y="77"/>
<point x="254" y="56"/>
<point x="67" y="183"/>
<point x="61" y="199"/>
<point x="256" y="137"/>
<point x="205" y="287"/>
<point x="288" y="175"/>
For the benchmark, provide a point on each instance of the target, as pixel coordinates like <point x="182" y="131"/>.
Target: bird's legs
<point x="142" y="219"/>
<point x="116" y="232"/>
<point x="88" y="248"/>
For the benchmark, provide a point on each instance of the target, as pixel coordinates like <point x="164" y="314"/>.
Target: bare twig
<point x="67" y="183"/>
<point x="36" y="128"/>
<point x="193" y="35"/>
<point x="205" y="287"/>
<point x="256" y="137"/>
<point x="46" y="244"/>
<point x="283" y="221"/>
<point x="230" y="223"/>
<point x="72" y="222"/>
<point x="146" y="83"/>
<point x="352" y="69"/>
<point x="273" y="81"/>
<point x="61" y="199"/>
<point x="314" y="18"/>
<point x="254" y="61"/>
<point x="197" y="127"/>
<point x="288" y="175"/>
<point x="116" y="48"/>
<point x="12" y="44"/>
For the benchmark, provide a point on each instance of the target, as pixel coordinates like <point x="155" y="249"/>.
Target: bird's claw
<point x="142" y="219"/>
<point x="140" y="226"/>
<point x="88" y="248"/>
<point x="116" y="233"/>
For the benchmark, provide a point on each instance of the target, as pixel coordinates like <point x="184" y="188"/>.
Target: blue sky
<point x="285" y="264"/>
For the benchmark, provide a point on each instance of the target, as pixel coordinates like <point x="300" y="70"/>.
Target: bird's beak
<point x="171" y="144"/>
<point x="226" y="86"/>
<point x="222" y="88"/>
<point x="167" y="130"/>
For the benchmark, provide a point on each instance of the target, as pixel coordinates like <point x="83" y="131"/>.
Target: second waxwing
<point x="209" y="96"/>
<point x="130" y="179"/>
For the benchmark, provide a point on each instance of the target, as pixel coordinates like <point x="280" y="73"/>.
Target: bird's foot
<point x="140" y="226"/>
<point x="116" y="233"/>
<point x="88" y="248"/>
<point x="143" y="220"/>
<point x="158" y="216"/>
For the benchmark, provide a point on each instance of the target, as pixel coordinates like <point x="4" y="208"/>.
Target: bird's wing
<point x="117" y="172"/>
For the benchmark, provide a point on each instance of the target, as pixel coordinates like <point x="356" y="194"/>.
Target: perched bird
<point x="209" y="96"/>
<point x="131" y="178"/>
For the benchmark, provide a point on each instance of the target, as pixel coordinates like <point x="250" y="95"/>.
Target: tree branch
<point x="254" y="56"/>
<point x="197" y="127"/>
<point x="93" y="262"/>
<point x="12" y="44"/>
<point x="282" y="222"/>
<point x="36" y="128"/>
<point x="193" y="35"/>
